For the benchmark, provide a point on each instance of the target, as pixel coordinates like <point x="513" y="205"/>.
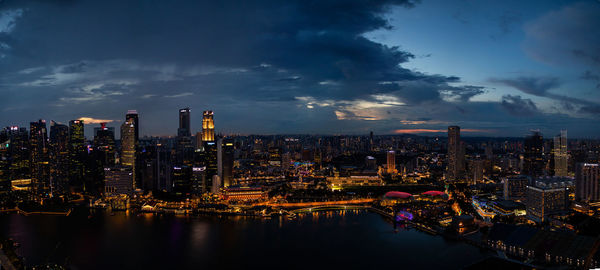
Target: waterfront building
<point x="587" y="186"/>
<point x="244" y="194"/>
<point x="118" y="181"/>
<point x="104" y="144"/>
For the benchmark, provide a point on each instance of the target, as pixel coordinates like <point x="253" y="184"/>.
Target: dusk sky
<point x="495" y="68"/>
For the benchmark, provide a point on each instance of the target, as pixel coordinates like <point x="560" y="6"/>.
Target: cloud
<point x="417" y="131"/>
<point x="569" y="36"/>
<point x="90" y="120"/>
<point x="518" y="106"/>
<point x="185" y="94"/>
<point x="537" y="86"/>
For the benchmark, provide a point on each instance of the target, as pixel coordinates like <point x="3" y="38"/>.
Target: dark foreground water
<point x="334" y="240"/>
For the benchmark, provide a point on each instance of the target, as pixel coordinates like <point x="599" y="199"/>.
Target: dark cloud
<point x="537" y="86"/>
<point x="567" y="36"/>
<point x="518" y="106"/>
<point x="590" y="76"/>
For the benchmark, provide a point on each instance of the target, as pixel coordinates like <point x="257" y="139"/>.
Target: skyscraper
<point x="59" y="155"/>
<point x="128" y="143"/>
<point x="76" y="152"/>
<point x="391" y="162"/>
<point x="225" y="161"/>
<point x="104" y="144"/>
<point x="456" y="156"/>
<point x="587" y="186"/>
<point x="132" y="116"/>
<point x="184" y="123"/>
<point x="560" y="154"/>
<point x="533" y="158"/>
<point x="39" y="163"/>
<point x="208" y="127"/>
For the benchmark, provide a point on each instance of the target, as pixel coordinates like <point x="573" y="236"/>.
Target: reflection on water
<point x="341" y="239"/>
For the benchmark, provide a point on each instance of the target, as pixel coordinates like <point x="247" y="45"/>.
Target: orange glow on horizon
<point x="423" y="130"/>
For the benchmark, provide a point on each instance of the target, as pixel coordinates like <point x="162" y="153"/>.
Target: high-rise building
<point x="225" y="161"/>
<point x="77" y="152"/>
<point x="456" y="154"/>
<point x="587" y="185"/>
<point x="391" y="162"/>
<point x="59" y="155"/>
<point x="19" y="153"/>
<point x="208" y="127"/>
<point x="104" y="144"/>
<point x="560" y="154"/>
<point x="210" y="161"/>
<point x="128" y="144"/>
<point x="515" y="187"/>
<point x="544" y="201"/>
<point x="5" y="184"/>
<point x="476" y="169"/>
<point x="132" y="116"/>
<point x="39" y="158"/>
<point x="118" y="181"/>
<point x="533" y="158"/>
<point x="184" y="123"/>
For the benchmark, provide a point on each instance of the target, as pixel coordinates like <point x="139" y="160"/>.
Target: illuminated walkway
<point x="316" y="204"/>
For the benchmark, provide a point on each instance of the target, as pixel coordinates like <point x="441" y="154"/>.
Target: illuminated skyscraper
<point x="59" y="155"/>
<point x="39" y="163"/>
<point x="225" y="161"/>
<point x="391" y="162"/>
<point x="587" y="182"/>
<point x="18" y="150"/>
<point x="5" y="184"/>
<point x="77" y="152"/>
<point x="128" y="143"/>
<point x="208" y="127"/>
<point x="132" y="116"/>
<point x="456" y="156"/>
<point x="184" y="123"/>
<point x="560" y="154"/>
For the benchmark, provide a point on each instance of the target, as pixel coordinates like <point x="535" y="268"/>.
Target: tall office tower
<point x="198" y="180"/>
<point x="184" y="148"/>
<point x="456" y="154"/>
<point x="225" y="161"/>
<point x="104" y="145"/>
<point x="208" y="127"/>
<point x="132" y="116"/>
<point x="59" y="156"/>
<point x="210" y="161"/>
<point x="489" y="151"/>
<point x="533" y="158"/>
<point x="128" y="145"/>
<point x="182" y="180"/>
<point x="5" y="184"/>
<point x="587" y="186"/>
<point x="275" y="156"/>
<point x="371" y="146"/>
<point x="18" y="150"/>
<point x="515" y="188"/>
<point x="39" y="158"/>
<point x="391" y="162"/>
<point x="76" y="152"/>
<point x="184" y="123"/>
<point x="560" y="154"/>
<point x="118" y="181"/>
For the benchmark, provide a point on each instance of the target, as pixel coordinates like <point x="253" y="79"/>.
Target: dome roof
<point x="434" y="193"/>
<point x="397" y="195"/>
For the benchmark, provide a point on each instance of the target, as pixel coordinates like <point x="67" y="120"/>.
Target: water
<point x="351" y="239"/>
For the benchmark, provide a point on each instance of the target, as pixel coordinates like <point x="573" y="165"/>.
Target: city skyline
<point x="493" y="69"/>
